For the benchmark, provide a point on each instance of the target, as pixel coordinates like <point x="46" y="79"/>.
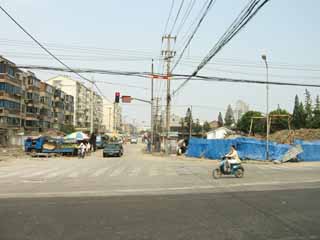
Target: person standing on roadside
<point x="93" y="142"/>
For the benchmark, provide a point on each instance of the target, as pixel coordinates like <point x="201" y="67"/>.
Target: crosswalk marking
<point x="74" y="174"/>
<point x="134" y="172"/>
<point x="100" y="171"/>
<point x="57" y="173"/>
<point x="117" y="172"/>
<point x="16" y="173"/>
<point x="170" y="171"/>
<point x="35" y="174"/>
<point x="153" y="172"/>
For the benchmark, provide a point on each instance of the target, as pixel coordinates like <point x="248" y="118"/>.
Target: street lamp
<point x="264" y="58"/>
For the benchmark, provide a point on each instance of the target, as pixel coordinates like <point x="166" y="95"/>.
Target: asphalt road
<point x="136" y="173"/>
<point x="140" y="196"/>
<point x="285" y="215"/>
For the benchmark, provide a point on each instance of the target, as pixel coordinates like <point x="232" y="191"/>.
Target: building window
<point x="2" y="68"/>
<point x="8" y="88"/>
<point x="11" y="71"/>
<point x="9" y="105"/>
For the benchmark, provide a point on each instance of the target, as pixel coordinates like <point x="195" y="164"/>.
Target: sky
<point x="125" y="35"/>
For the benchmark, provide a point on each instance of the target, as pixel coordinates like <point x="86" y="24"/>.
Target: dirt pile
<point x="286" y="136"/>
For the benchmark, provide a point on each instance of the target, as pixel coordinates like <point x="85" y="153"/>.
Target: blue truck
<point x="36" y="145"/>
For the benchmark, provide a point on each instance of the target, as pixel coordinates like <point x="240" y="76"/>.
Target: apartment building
<point x="82" y="96"/>
<point x="28" y="105"/>
<point x="10" y="100"/>
<point x="46" y="106"/>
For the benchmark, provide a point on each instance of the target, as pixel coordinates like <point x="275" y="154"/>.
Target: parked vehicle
<point x="113" y="149"/>
<point x="235" y="169"/>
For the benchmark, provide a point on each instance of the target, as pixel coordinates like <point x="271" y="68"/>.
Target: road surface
<point x="141" y="196"/>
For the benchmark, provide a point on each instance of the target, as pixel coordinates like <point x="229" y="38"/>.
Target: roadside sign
<point x="126" y="99"/>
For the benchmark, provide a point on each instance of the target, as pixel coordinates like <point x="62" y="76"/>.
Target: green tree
<point x="220" y="120"/>
<point x="308" y="108"/>
<point x="259" y="125"/>
<point x="229" y="117"/>
<point x="206" y="127"/>
<point x="188" y="120"/>
<point x="196" y="127"/>
<point x="316" y="114"/>
<point x="279" y="123"/>
<point x="298" y="116"/>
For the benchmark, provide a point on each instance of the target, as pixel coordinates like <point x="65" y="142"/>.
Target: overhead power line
<point x="177" y="16"/>
<point x="210" y="4"/>
<point x="175" y="77"/>
<point x="240" y="22"/>
<point x="185" y="16"/>
<point x="169" y="16"/>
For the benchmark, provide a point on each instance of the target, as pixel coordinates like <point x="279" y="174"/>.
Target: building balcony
<point x="7" y="78"/>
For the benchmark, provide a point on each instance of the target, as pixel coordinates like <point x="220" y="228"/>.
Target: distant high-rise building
<point x="240" y="108"/>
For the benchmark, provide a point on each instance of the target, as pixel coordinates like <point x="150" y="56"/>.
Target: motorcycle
<point x="235" y="169"/>
<point x="81" y="152"/>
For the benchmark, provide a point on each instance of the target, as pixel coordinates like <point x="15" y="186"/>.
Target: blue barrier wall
<point x="248" y="148"/>
<point x="311" y="151"/>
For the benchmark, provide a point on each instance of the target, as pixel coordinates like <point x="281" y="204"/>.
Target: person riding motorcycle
<point x="231" y="158"/>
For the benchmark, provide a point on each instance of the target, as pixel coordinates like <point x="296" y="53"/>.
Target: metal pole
<point x="264" y="57"/>
<point x="190" y="123"/>
<point x="151" y="120"/>
<point x="114" y="117"/>
<point x="91" y="110"/>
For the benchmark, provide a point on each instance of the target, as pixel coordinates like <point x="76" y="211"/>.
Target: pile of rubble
<point x="286" y="136"/>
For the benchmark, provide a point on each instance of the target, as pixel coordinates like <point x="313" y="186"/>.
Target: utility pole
<point x="152" y="120"/>
<point x="264" y="58"/>
<point x="190" y="123"/>
<point x="91" y="109"/>
<point x="157" y="123"/>
<point x="168" y="55"/>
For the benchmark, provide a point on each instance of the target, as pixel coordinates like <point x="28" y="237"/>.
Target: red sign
<point x="126" y="99"/>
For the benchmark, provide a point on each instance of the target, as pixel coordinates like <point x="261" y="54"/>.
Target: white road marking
<point x="135" y="172"/>
<point x="57" y="173"/>
<point x="153" y="172"/>
<point x="11" y="174"/>
<point x="117" y="172"/>
<point x="100" y="171"/>
<point x="39" y="173"/>
<point x="170" y="171"/>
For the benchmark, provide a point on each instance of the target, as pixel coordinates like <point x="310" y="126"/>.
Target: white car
<point x="134" y="140"/>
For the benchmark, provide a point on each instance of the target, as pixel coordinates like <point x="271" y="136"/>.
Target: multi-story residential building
<point x="59" y="103"/>
<point x="32" y="102"/>
<point x="46" y="106"/>
<point x="82" y="102"/>
<point x="68" y="110"/>
<point x="28" y="105"/>
<point x="10" y="100"/>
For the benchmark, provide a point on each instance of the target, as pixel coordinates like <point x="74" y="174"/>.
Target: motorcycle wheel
<point x="216" y="173"/>
<point x="239" y="173"/>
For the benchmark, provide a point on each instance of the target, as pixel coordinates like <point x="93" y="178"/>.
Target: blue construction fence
<point x="249" y="148"/>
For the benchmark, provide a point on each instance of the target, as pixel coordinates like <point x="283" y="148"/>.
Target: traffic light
<point x="117" y="97"/>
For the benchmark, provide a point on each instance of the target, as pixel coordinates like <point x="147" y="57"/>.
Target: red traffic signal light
<point x="117" y="97"/>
